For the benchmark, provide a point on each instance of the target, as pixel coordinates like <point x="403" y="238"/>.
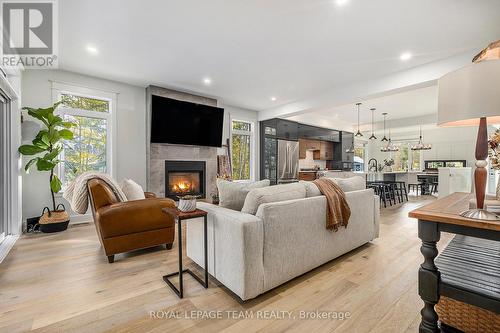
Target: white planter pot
<point x="187" y="205"/>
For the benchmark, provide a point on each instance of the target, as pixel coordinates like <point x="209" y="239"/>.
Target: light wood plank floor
<point x="63" y="283"/>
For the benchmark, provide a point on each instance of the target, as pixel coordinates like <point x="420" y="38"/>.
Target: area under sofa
<point x="251" y="254"/>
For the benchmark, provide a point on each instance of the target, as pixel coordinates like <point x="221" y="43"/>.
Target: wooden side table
<point x="434" y="281"/>
<point x="179" y="217"/>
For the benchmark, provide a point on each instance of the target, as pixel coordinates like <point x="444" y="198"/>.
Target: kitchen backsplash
<point x="309" y="162"/>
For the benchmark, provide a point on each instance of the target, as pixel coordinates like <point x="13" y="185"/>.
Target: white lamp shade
<point x="470" y="93"/>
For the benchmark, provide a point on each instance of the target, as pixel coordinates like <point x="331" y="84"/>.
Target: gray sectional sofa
<point x="281" y="235"/>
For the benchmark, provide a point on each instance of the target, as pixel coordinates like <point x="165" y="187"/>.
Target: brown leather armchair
<point x="130" y="225"/>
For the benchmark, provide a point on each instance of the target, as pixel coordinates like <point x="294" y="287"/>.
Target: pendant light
<point x="421" y="145"/>
<point x="390" y="146"/>
<point x="384" y="139"/>
<point x="358" y="134"/>
<point x="373" y="137"/>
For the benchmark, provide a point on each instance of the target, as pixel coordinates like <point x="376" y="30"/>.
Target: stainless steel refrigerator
<point x="288" y="161"/>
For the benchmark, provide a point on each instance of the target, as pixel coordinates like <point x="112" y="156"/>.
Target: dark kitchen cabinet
<point x="287" y="130"/>
<point x="268" y="150"/>
<point x="318" y="133"/>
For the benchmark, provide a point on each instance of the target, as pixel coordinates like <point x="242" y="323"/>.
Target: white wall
<point x="456" y="143"/>
<point x="130" y="130"/>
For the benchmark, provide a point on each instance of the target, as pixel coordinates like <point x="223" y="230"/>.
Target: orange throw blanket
<point x="338" y="211"/>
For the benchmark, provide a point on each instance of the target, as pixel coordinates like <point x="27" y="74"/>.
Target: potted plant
<point x="46" y="148"/>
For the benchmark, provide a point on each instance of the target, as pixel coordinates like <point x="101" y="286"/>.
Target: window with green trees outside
<point x="241" y="149"/>
<point x="88" y="151"/>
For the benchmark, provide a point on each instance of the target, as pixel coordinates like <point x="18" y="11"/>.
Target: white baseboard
<point x="78" y="219"/>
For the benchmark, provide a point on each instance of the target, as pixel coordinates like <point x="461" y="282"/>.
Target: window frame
<point x="58" y="89"/>
<point x="251" y="133"/>
<point x="410" y="155"/>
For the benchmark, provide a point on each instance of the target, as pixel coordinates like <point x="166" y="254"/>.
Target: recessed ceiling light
<point x="92" y="49"/>
<point x="341" y="2"/>
<point x="405" y="56"/>
<point x="273" y="99"/>
<point x="207" y="81"/>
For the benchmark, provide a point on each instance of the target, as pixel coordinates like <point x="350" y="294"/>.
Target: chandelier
<point x="421" y="145"/>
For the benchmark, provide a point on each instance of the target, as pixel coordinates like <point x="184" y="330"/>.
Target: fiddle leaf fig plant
<point x="47" y="145"/>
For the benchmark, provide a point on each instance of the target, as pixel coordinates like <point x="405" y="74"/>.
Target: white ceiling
<point x="408" y="104"/>
<point x="253" y="50"/>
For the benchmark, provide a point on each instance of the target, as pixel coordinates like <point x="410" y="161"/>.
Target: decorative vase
<point x="55" y="220"/>
<point x="187" y="205"/>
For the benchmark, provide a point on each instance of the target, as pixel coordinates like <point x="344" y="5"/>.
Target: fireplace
<point x="183" y="178"/>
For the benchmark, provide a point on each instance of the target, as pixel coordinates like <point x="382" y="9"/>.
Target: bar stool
<point x="415" y="187"/>
<point x="402" y="190"/>
<point x="434" y="187"/>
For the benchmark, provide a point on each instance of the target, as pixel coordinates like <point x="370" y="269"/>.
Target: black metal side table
<point x="180" y="216"/>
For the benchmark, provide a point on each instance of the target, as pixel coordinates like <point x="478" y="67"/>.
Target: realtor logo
<point x="29" y="34"/>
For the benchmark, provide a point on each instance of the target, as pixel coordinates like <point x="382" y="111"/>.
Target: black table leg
<point x="428" y="276"/>
<point x="180" y="292"/>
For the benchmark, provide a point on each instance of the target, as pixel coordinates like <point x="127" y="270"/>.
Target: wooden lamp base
<point x="480" y="176"/>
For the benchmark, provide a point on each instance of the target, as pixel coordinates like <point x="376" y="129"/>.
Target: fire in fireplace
<point x="184" y="177"/>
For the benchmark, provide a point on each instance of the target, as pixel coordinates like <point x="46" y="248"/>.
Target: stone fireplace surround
<point x="158" y="153"/>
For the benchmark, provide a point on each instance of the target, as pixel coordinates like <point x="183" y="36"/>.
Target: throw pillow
<point x="232" y="194"/>
<point x="284" y="192"/>
<point x="311" y="189"/>
<point x="132" y="190"/>
<point x="355" y="183"/>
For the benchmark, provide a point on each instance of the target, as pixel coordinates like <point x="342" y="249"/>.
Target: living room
<point x="250" y="166"/>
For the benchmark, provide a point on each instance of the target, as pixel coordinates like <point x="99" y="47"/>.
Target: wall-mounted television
<point x="185" y="123"/>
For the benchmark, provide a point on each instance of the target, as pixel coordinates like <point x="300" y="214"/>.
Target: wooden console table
<point x="443" y="215"/>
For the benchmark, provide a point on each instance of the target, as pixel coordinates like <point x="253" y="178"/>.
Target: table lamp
<point x="470" y="96"/>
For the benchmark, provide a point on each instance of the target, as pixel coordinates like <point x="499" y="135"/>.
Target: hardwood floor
<point x="63" y="283"/>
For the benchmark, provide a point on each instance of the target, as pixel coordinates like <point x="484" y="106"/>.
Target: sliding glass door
<point x="3" y="169"/>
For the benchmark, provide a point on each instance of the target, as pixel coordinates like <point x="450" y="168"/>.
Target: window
<point x="242" y="149"/>
<point x="401" y="158"/>
<point x="415" y="160"/>
<point x="359" y="158"/>
<point x="91" y="147"/>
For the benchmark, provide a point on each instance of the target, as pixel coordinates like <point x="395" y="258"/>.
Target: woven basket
<point x="467" y="318"/>
<point x="54" y="221"/>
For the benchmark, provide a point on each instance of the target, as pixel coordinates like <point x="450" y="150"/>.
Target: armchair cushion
<point x="129" y="217"/>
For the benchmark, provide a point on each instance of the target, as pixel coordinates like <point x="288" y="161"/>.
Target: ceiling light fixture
<point x="341" y="2"/>
<point x="384" y="138"/>
<point x="92" y="49"/>
<point x="390" y="146"/>
<point x="421" y="145"/>
<point x="405" y="56"/>
<point x="207" y="81"/>
<point x="358" y="134"/>
<point x="273" y="99"/>
<point x="373" y="137"/>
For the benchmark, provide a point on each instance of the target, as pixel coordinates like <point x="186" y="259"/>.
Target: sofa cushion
<point x="311" y="189"/>
<point x="132" y="190"/>
<point x="232" y="194"/>
<point x="355" y="183"/>
<point x="284" y="192"/>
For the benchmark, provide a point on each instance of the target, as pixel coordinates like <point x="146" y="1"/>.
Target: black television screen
<point x="185" y="123"/>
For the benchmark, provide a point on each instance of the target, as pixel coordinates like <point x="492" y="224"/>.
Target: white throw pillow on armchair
<point x="132" y="190"/>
